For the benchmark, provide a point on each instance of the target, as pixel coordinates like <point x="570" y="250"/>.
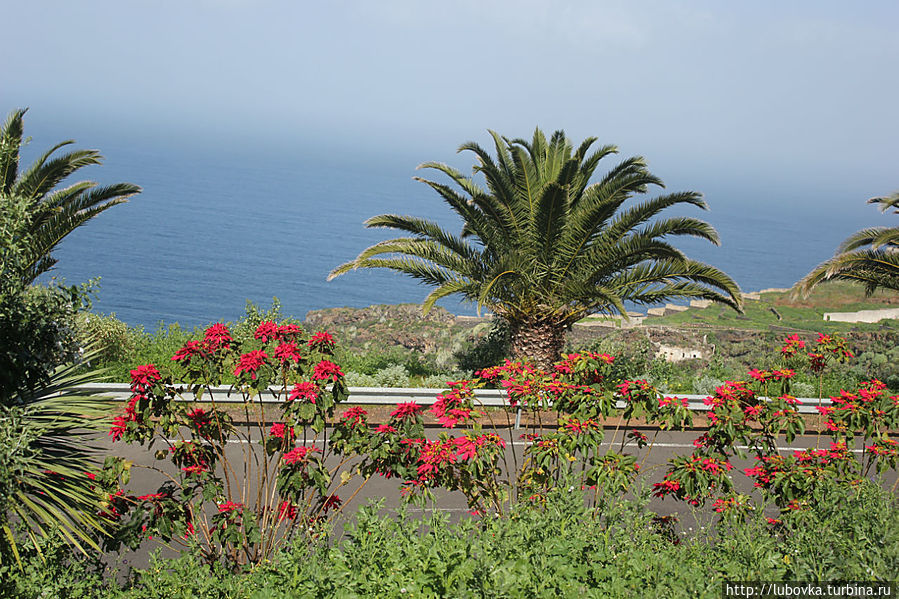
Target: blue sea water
<point x="216" y="228"/>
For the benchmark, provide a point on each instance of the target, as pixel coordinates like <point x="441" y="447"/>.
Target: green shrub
<point x="113" y="340"/>
<point x="488" y="349"/>
<point x="560" y="549"/>
<point x="52" y="570"/>
<point x="37" y="322"/>
<point x="706" y="385"/>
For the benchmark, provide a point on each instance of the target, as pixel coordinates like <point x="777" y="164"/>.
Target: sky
<point x="763" y="94"/>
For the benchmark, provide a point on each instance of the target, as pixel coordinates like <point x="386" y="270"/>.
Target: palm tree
<point x="54" y="212"/>
<point x="869" y="257"/>
<point x="542" y="247"/>
<point x="46" y="442"/>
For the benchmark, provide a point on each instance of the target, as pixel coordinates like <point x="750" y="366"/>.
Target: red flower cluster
<point x="195" y="469"/>
<point x="454" y="406"/>
<point x="144" y="377"/>
<point x="279" y="429"/>
<point x="508" y="370"/>
<point x="287" y="352"/>
<point x="322" y="341"/>
<point x="570" y="362"/>
<point x="287" y="511"/>
<point x="789" y="399"/>
<point x="635" y="390"/>
<point x="217" y="337"/>
<point x="884" y="448"/>
<point x="435" y="454"/>
<point x="299" y="454"/>
<point x="305" y="390"/>
<point x="327" y="371"/>
<point x="230" y="506"/>
<point x="763" y="376"/>
<point x="120" y="424"/>
<point x="666" y="487"/>
<point x="792" y="345"/>
<point x="270" y="331"/>
<point x="265" y="331"/>
<point x="753" y="412"/>
<point x="577" y="427"/>
<point x="714" y="465"/>
<point x="664" y="402"/>
<point x="354" y="417"/>
<point x="406" y="410"/>
<point x="331" y="502"/>
<point x="727" y="504"/>
<point x="200" y="420"/>
<point x="250" y="363"/>
<point x="816" y="361"/>
<point x="190" y="350"/>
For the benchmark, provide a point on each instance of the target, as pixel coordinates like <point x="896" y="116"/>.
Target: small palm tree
<point x="54" y="213"/>
<point x="869" y="257"/>
<point x="542" y="247"/>
<point x="47" y="448"/>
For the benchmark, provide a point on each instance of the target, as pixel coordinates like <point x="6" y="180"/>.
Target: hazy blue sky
<point x="765" y="94"/>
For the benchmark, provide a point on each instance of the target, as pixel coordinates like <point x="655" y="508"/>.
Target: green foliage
<point x="390" y="376"/>
<point x="561" y="548"/>
<point x="37" y="322"/>
<point x="487" y="350"/>
<point x="47" y="448"/>
<point x="50" y="569"/>
<point x="37" y="334"/>
<point x="113" y="340"/>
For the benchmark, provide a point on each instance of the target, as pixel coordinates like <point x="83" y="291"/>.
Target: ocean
<point x="214" y="229"/>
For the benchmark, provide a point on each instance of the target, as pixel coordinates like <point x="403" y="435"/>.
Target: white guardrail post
<point x="387" y="396"/>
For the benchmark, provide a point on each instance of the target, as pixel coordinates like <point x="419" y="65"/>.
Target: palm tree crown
<point x="869" y="257"/>
<point x="53" y="213"/>
<point x="542" y="246"/>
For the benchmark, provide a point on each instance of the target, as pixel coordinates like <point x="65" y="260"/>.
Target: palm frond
<point x="872" y="268"/>
<point x="44" y="174"/>
<point x="869" y="257"/>
<point x="10" y="144"/>
<point x="887" y="203"/>
<point x="876" y="237"/>
<point x="53" y="492"/>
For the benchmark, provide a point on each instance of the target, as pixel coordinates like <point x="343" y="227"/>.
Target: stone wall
<point x="862" y="315"/>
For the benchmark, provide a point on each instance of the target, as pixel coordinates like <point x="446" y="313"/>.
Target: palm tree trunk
<point x="539" y="342"/>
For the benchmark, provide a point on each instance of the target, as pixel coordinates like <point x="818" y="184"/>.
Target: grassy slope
<point x="799" y="314"/>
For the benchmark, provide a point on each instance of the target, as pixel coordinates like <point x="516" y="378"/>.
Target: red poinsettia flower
<point x="251" y="362"/>
<point x="287" y="352"/>
<point x="305" y="390"/>
<point x="406" y="410"/>
<point x="327" y="371"/>
<point x="265" y="331"/>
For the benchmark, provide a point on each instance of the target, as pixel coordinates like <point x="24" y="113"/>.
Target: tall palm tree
<point x="869" y="257"/>
<point x="542" y="247"/>
<point x="54" y="212"/>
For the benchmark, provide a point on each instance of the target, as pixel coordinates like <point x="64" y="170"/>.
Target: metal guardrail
<point x="387" y="396"/>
